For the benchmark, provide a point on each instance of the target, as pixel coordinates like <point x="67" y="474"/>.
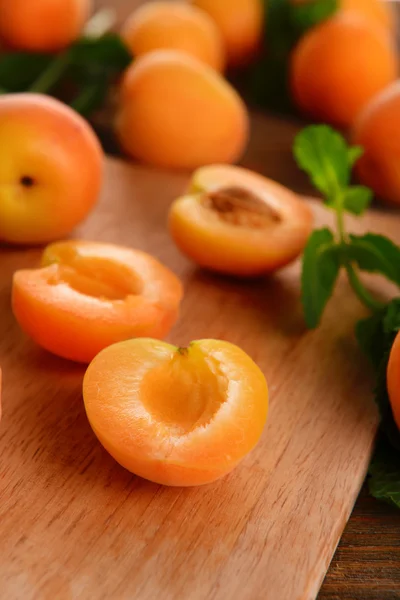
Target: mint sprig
<point x="328" y="160"/>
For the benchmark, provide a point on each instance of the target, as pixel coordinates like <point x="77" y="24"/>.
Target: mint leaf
<point x="354" y="153"/>
<point x="356" y="199"/>
<point x="376" y="254"/>
<point x="321" y="265"/>
<point x="323" y="154"/>
<point x="384" y="473"/>
<point x="309" y="14"/>
<point x="371" y="337"/>
<point x="18" y="70"/>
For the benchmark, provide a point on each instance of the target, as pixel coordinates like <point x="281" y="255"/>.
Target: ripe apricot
<point x="175" y="26"/>
<point x="241" y="24"/>
<point x="88" y="295"/>
<point x="42" y="25"/>
<point x="338" y="66"/>
<point x="176" y="416"/>
<point x="393" y="379"/>
<point x="237" y="222"/>
<point x="377" y="130"/>
<point x="178" y="113"/>
<point x="378" y="11"/>
<point x="51" y="167"/>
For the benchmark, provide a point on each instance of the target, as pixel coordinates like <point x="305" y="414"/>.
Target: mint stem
<point x="51" y="76"/>
<point x="362" y="294"/>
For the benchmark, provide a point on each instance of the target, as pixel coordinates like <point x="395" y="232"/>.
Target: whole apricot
<point x="241" y="24"/>
<point x="42" y="25"/>
<point x="379" y="11"/>
<point x="88" y="295"/>
<point x="393" y="379"/>
<point x="177" y="112"/>
<point x="377" y="130"/>
<point x="176" y="26"/>
<point x="51" y="167"/>
<point x="176" y="416"/>
<point x="237" y="222"/>
<point x="338" y="66"/>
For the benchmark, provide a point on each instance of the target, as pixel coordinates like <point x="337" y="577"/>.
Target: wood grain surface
<point x="75" y="525"/>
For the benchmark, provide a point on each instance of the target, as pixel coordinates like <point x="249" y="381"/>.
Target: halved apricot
<point x="393" y="379"/>
<point x="88" y="295"/>
<point x="237" y="222"/>
<point x="176" y="416"/>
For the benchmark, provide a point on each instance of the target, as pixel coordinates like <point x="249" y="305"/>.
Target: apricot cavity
<point x="88" y="295"/>
<point x="42" y="25"/>
<point x="176" y="416"/>
<point x="241" y="24"/>
<point x="177" y="112"/>
<point x="51" y="168"/>
<point x="338" y="66"/>
<point x="237" y="222"/>
<point x="377" y="130"/>
<point x="176" y="26"/>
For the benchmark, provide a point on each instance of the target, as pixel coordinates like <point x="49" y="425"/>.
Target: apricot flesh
<point x="241" y="24"/>
<point x="393" y="379"/>
<point x="88" y="295"/>
<point x="42" y="25"/>
<point x="377" y="130"/>
<point x="176" y="26"/>
<point x="176" y="416"/>
<point x="338" y="66"/>
<point x="176" y="112"/>
<point x="51" y="168"/>
<point x="237" y="222"/>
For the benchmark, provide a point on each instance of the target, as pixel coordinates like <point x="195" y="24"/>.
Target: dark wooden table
<point x="366" y="565"/>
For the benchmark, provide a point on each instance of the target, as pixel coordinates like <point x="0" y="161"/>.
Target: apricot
<point x="51" y="167"/>
<point x="42" y="25"/>
<point x="241" y="23"/>
<point x="176" y="112"/>
<point x="338" y="66"/>
<point x="393" y="379"/>
<point x="377" y="130"/>
<point x="175" y="26"/>
<point x="176" y="416"/>
<point x="88" y="295"/>
<point x="378" y="11"/>
<point x="237" y="222"/>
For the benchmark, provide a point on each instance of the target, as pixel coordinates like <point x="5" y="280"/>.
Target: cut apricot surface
<point x="237" y="222"/>
<point x="176" y="416"/>
<point x="89" y="295"/>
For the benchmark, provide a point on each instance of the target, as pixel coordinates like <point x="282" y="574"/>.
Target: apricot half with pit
<point x="237" y="222"/>
<point x="176" y="416"/>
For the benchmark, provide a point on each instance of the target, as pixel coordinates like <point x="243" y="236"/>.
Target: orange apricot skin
<point x="241" y="23"/>
<point x="175" y="26"/>
<point x="378" y="11"/>
<point x="376" y="129"/>
<point x="338" y="66"/>
<point x="393" y="379"/>
<point x="76" y="326"/>
<point x="239" y="250"/>
<point x="42" y="25"/>
<point x="161" y="123"/>
<point x="52" y="145"/>
<point x="149" y="447"/>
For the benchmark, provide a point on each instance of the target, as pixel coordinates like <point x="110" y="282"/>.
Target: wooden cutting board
<point x="74" y="525"/>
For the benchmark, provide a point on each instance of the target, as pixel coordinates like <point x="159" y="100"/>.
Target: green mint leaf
<point x="391" y="322"/>
<point x="18" y="70"/>
<point x="354" y="153"/>
<point x="323" y="154"/>
<point x="106" y="53"/>
<point x="321" y="265"/>
<point x="384" y="473"/>
<point x="371" y="337"/>
<point x="357" y="198"/>
<point x="376" y="254"/>
<point x="309" y="14"/>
